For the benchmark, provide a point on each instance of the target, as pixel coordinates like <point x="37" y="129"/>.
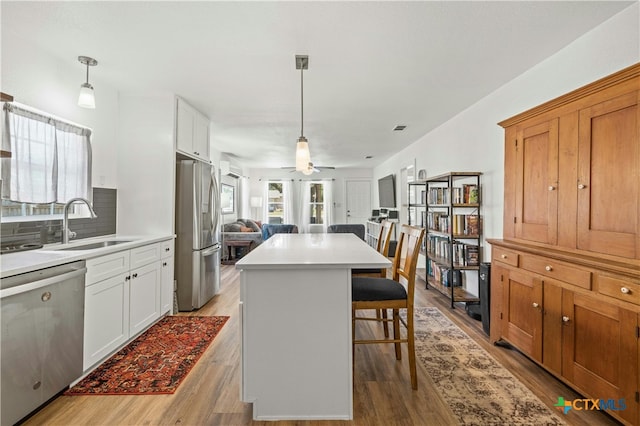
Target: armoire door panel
<point x="608" y="176"/>
<point x="600" y="349"/>
<point x="537" y="182"/>
<point x="523" y="316"/>
<point x="552" y="326"/>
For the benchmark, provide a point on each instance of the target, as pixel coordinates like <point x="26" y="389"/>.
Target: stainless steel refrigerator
<point x="197" y="234"/>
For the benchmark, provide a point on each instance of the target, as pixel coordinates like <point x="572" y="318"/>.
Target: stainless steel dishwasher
<point x="42" y="314"/>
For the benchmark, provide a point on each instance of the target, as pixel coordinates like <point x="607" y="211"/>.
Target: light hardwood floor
<point x="382" y="389"/>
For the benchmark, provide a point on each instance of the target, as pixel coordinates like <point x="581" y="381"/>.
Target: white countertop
<point x="308" y="251"/>
<point x="51" y="255"/>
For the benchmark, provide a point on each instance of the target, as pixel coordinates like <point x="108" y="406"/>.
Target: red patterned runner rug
<point x="157" y="361"/>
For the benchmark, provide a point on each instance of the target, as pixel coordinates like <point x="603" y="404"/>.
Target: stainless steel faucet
<point x="66" y="232"/>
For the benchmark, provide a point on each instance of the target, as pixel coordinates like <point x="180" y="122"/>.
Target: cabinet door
<point x="498" y="276"/>
<point x="185" y="123"/>
<point x="608" y="174"/>
<point x="536" y="189"/>
<point x="144" y="297"/>
<point x="552" y="326"/>
<point x="201" y="136"/>
<point x="106" y="318"/>
<point x="166" y="286"/>
<point x="600" y="350"/>
<point x="522" y="312"/>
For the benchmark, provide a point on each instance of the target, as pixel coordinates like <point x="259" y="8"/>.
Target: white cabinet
<point x="144" y="297"/>
<point x="122" y="298"/>
<point x="166" y="277"/>
<point x="192" y="131"/>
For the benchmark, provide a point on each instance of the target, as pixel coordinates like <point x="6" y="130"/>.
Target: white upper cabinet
<point x="192" y="132"/>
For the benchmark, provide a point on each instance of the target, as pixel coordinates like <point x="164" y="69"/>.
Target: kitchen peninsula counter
<point x="295" y="310"/>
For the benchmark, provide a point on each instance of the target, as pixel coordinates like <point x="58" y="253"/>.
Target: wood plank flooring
<point x="382" y="389"/>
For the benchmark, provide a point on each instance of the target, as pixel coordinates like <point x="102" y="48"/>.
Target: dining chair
<point x="347" y="228"/>
<point x="395" y="294"/>
<point x="382" y="246"/>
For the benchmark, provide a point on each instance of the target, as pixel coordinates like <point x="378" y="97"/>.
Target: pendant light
<point x="86" y="98"/>
<point x="303" y="157"/>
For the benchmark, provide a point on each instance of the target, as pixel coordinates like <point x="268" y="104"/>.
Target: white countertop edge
<point x="311" y="265"/>
<point x="52" y="255"/>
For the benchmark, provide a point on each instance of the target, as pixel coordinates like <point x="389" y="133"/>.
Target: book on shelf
<point x="472" y="255"/>
<point x="465" y="224"/>
<point x="470" y="194"/>
<point x="457" y="195"/>
<point x="472" y="224"/>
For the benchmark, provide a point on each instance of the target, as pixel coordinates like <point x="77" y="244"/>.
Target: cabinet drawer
<point x="144" y="255"/>
<point x="558" y="270"/>
<point x="622" y="289"/>
<point x="107" y="266"/>
<point x="505" y="256"/>
<point x="166" y="249"/>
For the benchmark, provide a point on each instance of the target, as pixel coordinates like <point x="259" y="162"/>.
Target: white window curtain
<point x="50" y="159"/>
<point x="328" y="204"/>
<point x="305" y="213"/>
<point x="287" y="192"/>
<point x="264" y="215"/>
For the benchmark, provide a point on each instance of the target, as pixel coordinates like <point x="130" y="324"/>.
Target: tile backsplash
<point x="49" y="231"/>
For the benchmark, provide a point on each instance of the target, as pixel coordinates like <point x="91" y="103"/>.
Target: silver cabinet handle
<point x="548" y="268"/>
<point x="565" y="318"/>
<point x="551" y="187"/>
<point x="535" y="305"/>
<point x="625" y="290"/>
<point x="582" y="186"/>
<point x="504" y="256"/>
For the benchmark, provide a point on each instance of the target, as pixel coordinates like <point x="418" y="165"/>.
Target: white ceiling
<point x="372" y="65"/>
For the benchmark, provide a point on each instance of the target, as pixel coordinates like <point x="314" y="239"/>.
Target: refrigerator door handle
<point x="214" y="197"/>
<point x="210" y="251"/>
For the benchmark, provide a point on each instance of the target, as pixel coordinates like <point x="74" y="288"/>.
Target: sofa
<point x="241" y="230"/>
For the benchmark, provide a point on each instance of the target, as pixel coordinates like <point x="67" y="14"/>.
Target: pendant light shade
<point x="303" y="156"/>
<point x="86" y="99"/>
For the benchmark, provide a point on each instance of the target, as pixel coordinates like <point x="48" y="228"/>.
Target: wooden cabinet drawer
<point x="557" y="270"/>
<point x="505" y="256"/>
<point x="622" y="289"/>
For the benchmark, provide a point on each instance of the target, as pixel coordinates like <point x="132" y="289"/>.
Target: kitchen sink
<point x="92" y="246"/>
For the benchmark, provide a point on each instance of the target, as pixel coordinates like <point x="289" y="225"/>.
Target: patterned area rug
<point x="156" y="362"/>
<point x="477" y="388"/>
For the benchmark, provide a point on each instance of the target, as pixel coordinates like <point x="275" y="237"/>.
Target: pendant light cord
<point x="301" y="99"/>
<point x="87" y="73"/>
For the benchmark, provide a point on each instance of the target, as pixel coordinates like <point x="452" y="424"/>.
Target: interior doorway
<point x="358" y="200"/>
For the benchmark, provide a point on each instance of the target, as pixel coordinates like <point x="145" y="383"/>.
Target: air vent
<point x="399" y="128"/>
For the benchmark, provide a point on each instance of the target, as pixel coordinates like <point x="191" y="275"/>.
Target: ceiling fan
<point x="310" y="168"/>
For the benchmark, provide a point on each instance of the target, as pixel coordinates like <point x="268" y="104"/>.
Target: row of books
<point x="466" y="224"/>
<point x="458" y="253"/>
<point x="444" y="276"/>
<point x="466" y="194"/>
<point x="460" y="224"/>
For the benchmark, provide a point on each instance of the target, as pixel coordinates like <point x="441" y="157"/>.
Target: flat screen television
<point x="387" y="191"/>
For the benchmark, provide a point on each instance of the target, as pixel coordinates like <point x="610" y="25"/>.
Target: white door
<point x="358" y="196"/>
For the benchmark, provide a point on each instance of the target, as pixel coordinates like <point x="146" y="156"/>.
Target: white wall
<point x="472" y="141"/>
<point x="35" y="78"/>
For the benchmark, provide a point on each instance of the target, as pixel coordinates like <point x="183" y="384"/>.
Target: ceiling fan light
<point x="86" y="99"/>
<point x="308" y="170"/>
<point x="303" y="157"/>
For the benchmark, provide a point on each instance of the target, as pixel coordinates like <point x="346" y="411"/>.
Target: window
<point x="276" y="202"/>
<point x="316" y="203"/>
<point x="50" y="164"/>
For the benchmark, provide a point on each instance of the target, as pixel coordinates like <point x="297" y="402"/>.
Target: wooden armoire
<point x="565" y="278"/>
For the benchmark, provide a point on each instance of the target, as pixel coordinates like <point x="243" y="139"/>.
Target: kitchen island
<point x="295" y="311"/>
